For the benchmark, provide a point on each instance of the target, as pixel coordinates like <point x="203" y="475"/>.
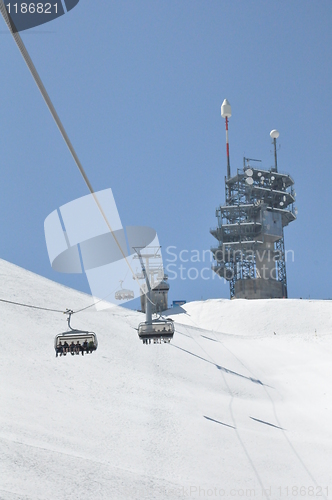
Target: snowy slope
<point x="226" y="409"/>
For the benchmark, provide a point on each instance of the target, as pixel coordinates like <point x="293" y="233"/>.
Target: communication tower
<point x="250" y="230"/>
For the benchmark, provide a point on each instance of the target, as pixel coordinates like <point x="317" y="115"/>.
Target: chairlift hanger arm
<point x="69" y="312"/>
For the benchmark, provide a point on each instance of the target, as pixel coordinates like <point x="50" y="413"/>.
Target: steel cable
<point x="43" y="91"/>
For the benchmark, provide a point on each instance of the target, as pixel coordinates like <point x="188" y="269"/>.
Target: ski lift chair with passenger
<point x="157" y="330"/>
<point x="86" y="340"/>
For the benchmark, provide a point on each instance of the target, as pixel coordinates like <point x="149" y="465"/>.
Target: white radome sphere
<point x="274" y="134"/>
<point x="226" y="110"/>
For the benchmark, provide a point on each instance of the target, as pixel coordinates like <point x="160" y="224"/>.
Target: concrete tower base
<point x="159" y="298"/>
<point x="258" y="289"/>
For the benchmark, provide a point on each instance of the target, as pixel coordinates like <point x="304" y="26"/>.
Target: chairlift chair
<point x="158" y="331"/>
<point x="75" y="336"/>
<point x="124" y="294"/>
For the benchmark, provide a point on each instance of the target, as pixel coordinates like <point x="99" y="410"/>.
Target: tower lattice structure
<point x="250" y="231"/>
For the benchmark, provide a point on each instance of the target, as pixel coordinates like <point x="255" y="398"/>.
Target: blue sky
<point x="138" y="86"/>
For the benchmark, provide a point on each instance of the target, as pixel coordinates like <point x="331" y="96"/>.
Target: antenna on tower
<point x="226" y="112"/>
<point x="274" y="134"/>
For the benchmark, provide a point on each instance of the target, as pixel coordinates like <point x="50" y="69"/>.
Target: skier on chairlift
<point x="59" y="349"/>
<point x="65" y="348"/>
<point x="84" y="347"/>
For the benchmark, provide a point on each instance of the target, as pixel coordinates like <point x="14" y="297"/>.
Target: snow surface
<point x="240" y="401"/>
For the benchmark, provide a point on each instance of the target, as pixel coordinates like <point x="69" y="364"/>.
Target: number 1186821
<point x="32" y="8"/>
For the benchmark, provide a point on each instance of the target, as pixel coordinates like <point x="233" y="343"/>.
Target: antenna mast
<point x="274" y="134"/>
<point x="226" y="112"/>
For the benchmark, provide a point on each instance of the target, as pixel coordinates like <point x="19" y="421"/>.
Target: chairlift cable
<point x="97" y="302"/>
<point x="100" y="300"/>
<point x="31" y="306"/>
<point x="42" y="89"/>
<point x="46" y="308"/>
<point x="56" y="310"/>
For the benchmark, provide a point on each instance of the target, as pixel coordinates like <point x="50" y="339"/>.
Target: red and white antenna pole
<point x="227" y="149"/>
<point x="226" y="112"/>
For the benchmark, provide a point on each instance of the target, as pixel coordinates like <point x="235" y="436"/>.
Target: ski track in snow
<point x="274" y="417"/>
<point x="228" y="406"/>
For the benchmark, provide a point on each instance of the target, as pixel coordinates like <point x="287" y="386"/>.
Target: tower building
<point x="259" y="203"/>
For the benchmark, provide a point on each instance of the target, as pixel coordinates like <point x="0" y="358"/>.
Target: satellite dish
<point x="284" y="197"/>
<point x="274" y="134"/>
<point x="226" y="110"/>
<point x="249" y="172"/>
<point x="262" y="178"/>
<point x="272" y="178"/>
<point x="250" y="181"/>
<point x="281" y="203"/>
<point x="259" y="174"/>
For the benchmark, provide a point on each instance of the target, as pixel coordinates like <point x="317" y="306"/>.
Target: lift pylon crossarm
<point x="137" y="250"/>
